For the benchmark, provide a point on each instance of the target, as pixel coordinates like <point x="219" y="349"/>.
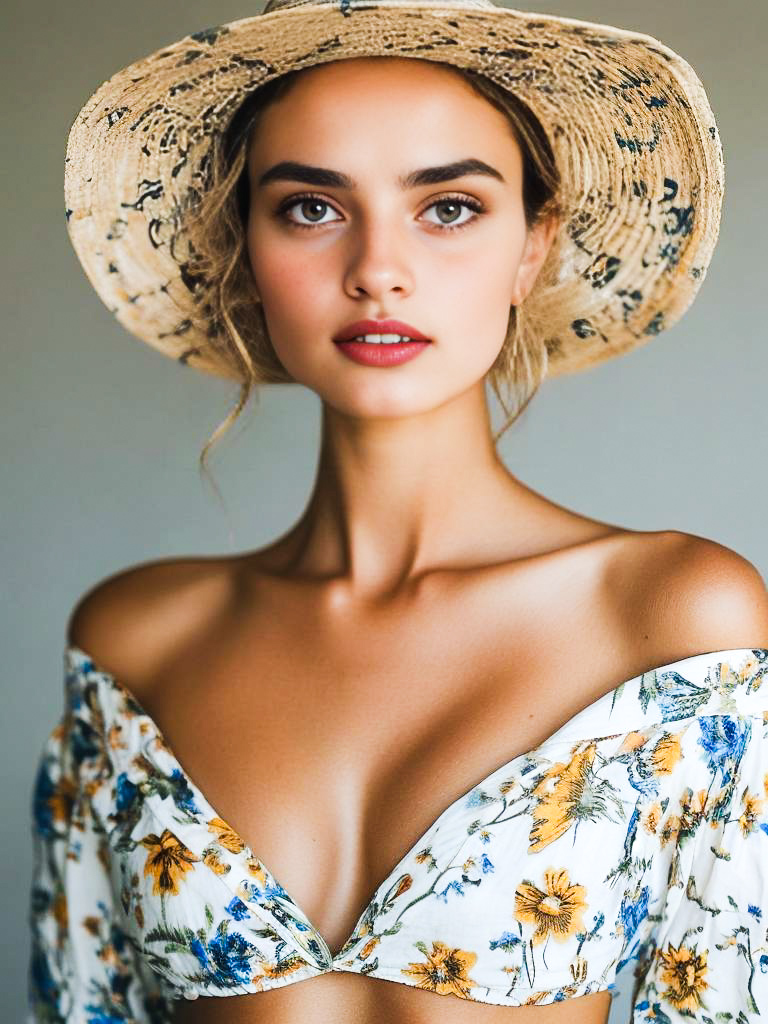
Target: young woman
<point x="443" y="732"/>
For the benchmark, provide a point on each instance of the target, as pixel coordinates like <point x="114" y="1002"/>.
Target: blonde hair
<point x="220" y="277"/>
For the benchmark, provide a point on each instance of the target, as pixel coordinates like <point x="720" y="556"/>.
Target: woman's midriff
<point x="335" y="998"/>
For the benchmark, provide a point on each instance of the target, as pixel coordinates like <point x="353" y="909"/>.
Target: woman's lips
<point x="388" y="326"/>
<point x="371" y="354"/>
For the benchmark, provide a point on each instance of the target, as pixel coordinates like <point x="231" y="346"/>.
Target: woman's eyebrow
<point x="290" y="170"/>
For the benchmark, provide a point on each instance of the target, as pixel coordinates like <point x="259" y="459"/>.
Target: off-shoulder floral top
<point x="634" y="839"/>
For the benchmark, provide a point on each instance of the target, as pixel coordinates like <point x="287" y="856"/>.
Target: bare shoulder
<point x="131" y="621"/>
<point x="687" y="595"/>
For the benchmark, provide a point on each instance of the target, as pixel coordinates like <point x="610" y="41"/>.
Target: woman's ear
<point x="537" y="245"/>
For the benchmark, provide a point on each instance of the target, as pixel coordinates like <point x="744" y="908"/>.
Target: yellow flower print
<point x="62" y="800"/>
<point x="445" y="971"/>
<point x="272" y="970"/>
<point x="226" y="835"/>
<point x="535" y="998"/>
<point x="143" y="765"/>
<point x="669" y="829"/>
<point x="720" y="852"/>
<point x="92" y="786"/>
<point x="115" y="738"/>
<point x="665" y="754"/>
<point x="765" y="777"/>
<point x="683" y="972"/>
<point x="579" y="969"/>
<point x="508" y="785"/>
<point x="563" y="993"/>
<point x="169" y="859"/>
<point x="631" y="741"/>
<point x="556" y="911"/>
<point x="212" y="859"/>
<point x="753" y="807"/>
<point x="60" y="911"/>
<point x="104" y="853"/>
<point x="652" y="817"/>
<point x="692" y="808"/>
<point x="368" y="948"/>
<point x="729" y="678"/>
<point x="403" y="885"/>
<point x="257" y="869"/>
<point x="559" y="793"/>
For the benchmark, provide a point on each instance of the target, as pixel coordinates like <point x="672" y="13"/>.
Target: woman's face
<point x="377" y="250"/>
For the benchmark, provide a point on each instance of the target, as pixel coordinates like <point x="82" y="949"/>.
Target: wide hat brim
<point x="633" y="133"/>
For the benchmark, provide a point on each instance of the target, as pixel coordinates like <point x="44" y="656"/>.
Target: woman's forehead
<point x="319" y="119"/>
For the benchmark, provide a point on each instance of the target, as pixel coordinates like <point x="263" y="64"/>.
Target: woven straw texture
<point x="633" y="133"/>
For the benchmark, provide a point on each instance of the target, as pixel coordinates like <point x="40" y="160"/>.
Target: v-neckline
<point x="565" y="733"/>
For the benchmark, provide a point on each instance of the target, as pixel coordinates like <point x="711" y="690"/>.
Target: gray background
<point x="101" y="434"/>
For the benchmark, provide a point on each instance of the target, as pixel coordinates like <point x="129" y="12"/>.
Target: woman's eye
<point x="305" y="203"/>
<point x="310" y="202"/>
<point x="454" y="204"/>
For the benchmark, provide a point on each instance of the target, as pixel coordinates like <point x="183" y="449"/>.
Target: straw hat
<point x="633" y="134"/>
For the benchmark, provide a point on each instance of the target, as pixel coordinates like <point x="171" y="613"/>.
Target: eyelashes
<point x="458" y="200"/>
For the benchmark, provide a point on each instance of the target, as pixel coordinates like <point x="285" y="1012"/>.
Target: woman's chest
<point x="331" y="747"/>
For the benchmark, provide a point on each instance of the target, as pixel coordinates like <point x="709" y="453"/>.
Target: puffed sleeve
<point x="711" y="958"/>
<point x="82" y="966"/>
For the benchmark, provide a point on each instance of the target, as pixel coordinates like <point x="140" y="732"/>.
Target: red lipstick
<point x="378" y="327"/>
<point x="382" y="353"/>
